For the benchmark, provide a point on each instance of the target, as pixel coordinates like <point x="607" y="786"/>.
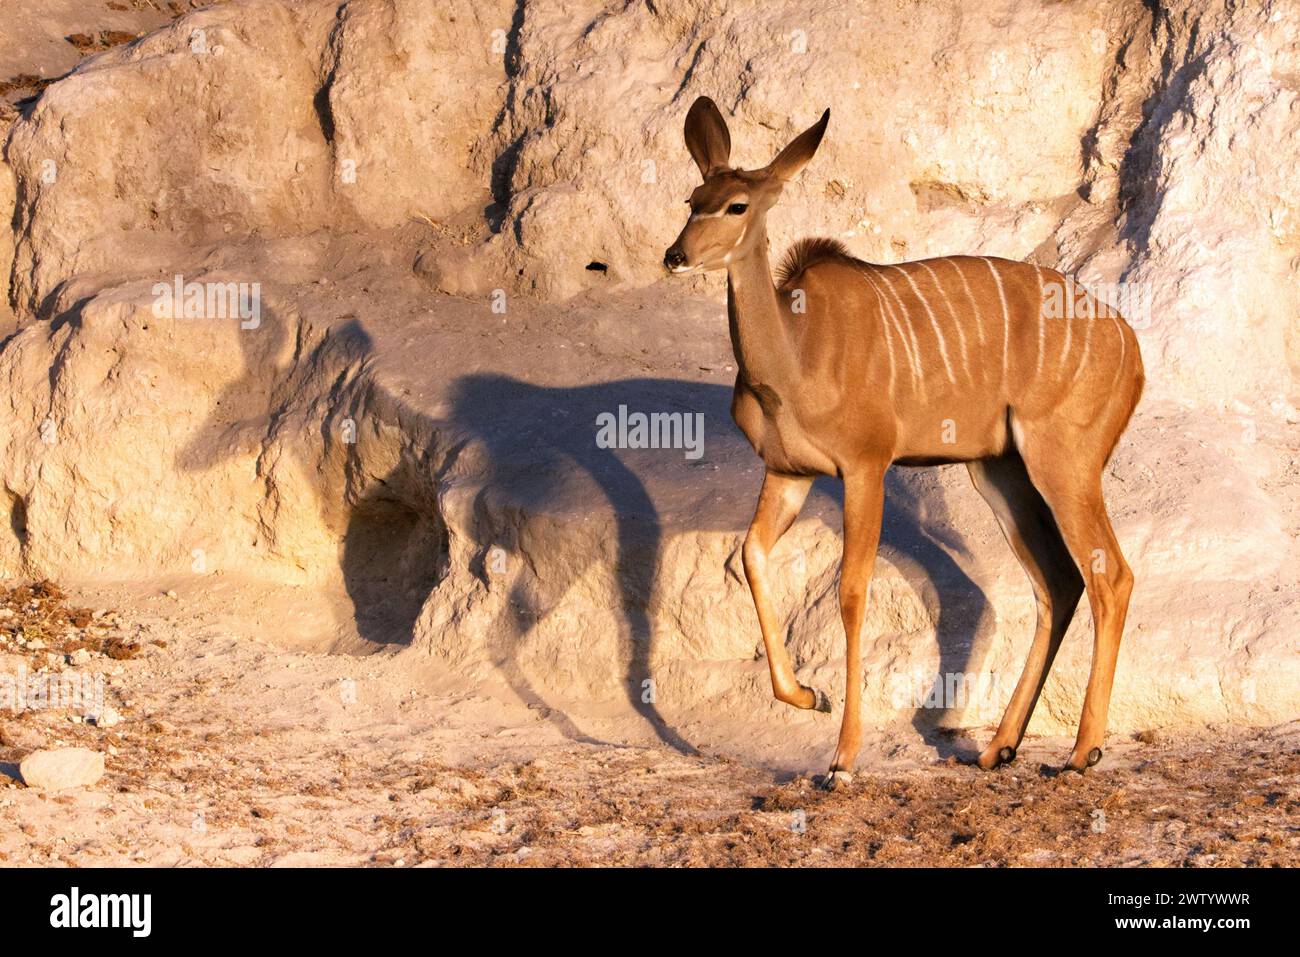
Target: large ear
<point x="799" y="151"/>
<point x="707" y="137"/>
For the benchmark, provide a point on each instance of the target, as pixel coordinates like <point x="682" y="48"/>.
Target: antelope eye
<point x="736" y="209"/>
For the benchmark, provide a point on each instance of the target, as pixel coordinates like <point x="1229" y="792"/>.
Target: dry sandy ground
<point x="236" y="751"/>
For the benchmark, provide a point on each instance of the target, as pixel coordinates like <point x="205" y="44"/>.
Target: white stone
<point x="62" y="769"/>
<point x="106" y="719"/>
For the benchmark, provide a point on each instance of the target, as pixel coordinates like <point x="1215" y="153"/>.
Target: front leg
<point x="778" y="506"/>
<point x="864" y="502"/>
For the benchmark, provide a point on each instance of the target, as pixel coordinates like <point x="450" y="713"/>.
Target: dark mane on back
<point x="806" y="252"/>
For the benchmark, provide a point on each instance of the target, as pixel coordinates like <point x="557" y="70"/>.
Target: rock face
<point x="62" y="769"/>
<point x="108" y="182"/>
<point x="411" y="87"/>
<point x="412" y="199"/>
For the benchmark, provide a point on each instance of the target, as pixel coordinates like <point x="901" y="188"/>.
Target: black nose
<point x="674" y="258"/>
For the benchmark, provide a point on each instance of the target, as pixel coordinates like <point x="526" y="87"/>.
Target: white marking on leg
<point x="1017" y="435"/>
<point x="934" y="324"/>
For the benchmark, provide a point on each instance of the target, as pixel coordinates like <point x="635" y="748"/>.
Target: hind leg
<point x="1070" y="483"/>
<point x="1031" y="532"/>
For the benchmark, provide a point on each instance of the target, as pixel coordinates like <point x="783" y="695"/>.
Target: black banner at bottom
<point x="334" y="906"/>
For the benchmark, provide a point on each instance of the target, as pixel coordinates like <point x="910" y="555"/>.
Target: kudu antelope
<point x="846" y="367"/>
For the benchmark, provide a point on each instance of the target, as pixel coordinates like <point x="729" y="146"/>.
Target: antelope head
<point x="729" y="209"/>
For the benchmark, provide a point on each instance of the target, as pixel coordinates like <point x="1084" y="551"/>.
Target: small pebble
<point x="107" y="719"/>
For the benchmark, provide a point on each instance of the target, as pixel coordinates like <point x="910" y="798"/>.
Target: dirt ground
<point x="232" y="750"/>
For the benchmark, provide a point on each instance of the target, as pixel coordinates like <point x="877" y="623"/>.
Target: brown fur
<point x="808" y="252"/>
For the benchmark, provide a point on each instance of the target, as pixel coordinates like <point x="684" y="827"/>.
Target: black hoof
<point x="822" y="701"/>
<point x="1094" y="756"/>
<point x="1006" y="755"/>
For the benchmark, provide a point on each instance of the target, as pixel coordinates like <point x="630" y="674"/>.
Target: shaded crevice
<point x="394" y="556"/>
<point x="507" y="159"/>
<point x="18" y="519"/>
<point x="321" y="100"/>
<point x="1171" y="85"/>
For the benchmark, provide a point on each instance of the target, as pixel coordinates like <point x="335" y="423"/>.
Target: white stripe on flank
<point x="934" y="324"/>
<point x="974" y="306"/>
<point x="889" y="314"/>
<point x="1063" y="282"/>
<point x="1006" y="316"/>
<point x="1087" y="345"/>
<point x="913" y="358"/>
<point x="1042" y="327"/>
<point x="906" y="323"/>
<point x="898" y="326"/>
<point x="1122" y="344"/>
<point x="961" y="333"/>
<point x="1069" y="332"/>
<point x="889" y="338"/>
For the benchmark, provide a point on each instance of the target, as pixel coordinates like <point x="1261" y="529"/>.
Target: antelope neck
<point x="760" y="337"/>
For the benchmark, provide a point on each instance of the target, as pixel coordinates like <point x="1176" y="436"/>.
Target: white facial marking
<point x="721" y="212"/>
